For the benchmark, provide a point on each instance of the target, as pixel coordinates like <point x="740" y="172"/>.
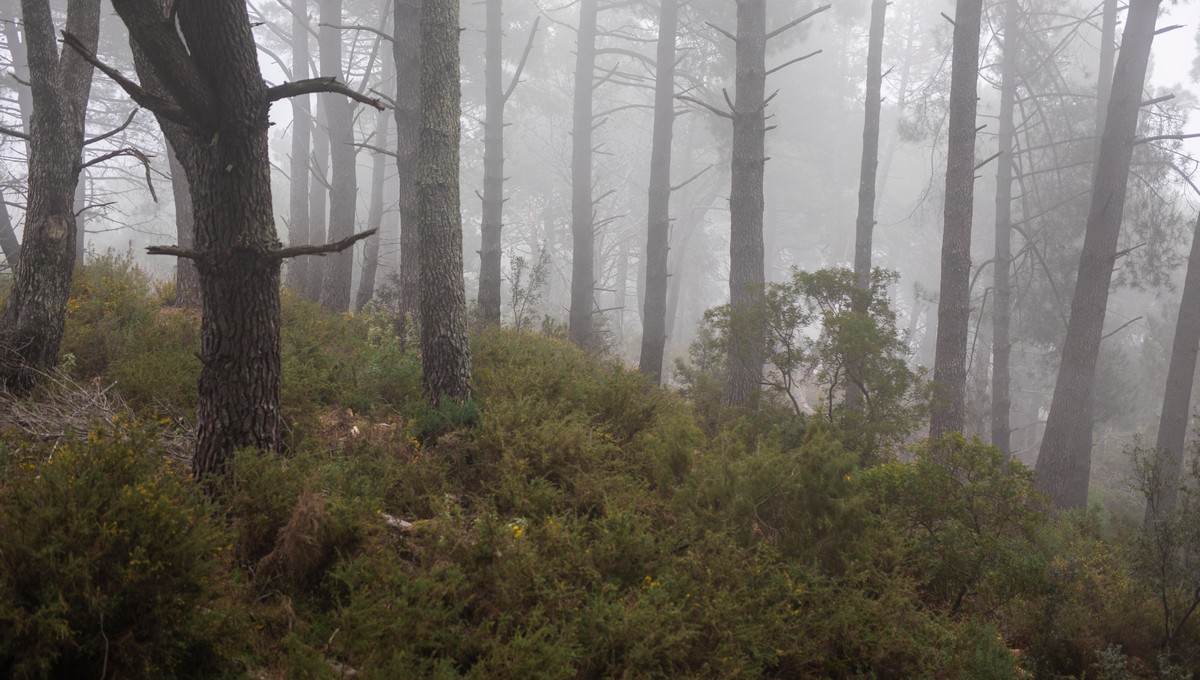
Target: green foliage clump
<point x="111" y="564"/>
<point x="819" y="342"/>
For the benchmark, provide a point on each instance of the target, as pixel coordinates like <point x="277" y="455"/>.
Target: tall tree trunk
<point x="366" y="285"/>
<point x="318" y="199"/>
<point x="35" y="311"/>
<point x="445" y="355"/>
<point x="493" y="167"/>
<point x="743" y="372"/>
<point x="200" y="77"/>
<point x="343" y="181"/>
<point x="658" y="212"/>
<point x="406" y="47"/>
<point x="954" y="301"/>
<point x="1177" y="397"/>
<point x="864" y="227"/>
<point x="1104" y="75"/>
<point x="187" y="279"/>
<point x="9" y="244"/>
<point x="583" y="237"/>
<point x="1002" y="264"/>
<point x="1064" y="462"/>
<point x="298" y="182"/>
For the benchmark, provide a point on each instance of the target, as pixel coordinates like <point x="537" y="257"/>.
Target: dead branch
<point x="524" y="57"/>
<point x="114" y="131"/>
<point x="335" y="247"/>
<point x="323" y="84"/>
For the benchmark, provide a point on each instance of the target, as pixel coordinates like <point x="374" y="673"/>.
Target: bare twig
<point x="323" y="84"/>
<point x="335" y="247"/>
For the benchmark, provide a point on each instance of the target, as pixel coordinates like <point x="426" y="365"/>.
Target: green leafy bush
<point x="111" y="564"/>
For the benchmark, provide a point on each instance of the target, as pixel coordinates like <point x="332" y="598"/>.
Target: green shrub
<point x="110" y="564"/>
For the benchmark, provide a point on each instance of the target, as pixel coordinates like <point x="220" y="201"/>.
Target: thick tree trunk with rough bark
<point x="658" y="211"/>
<point x="1064" y="462"/>
<point x="954" y="301"/>
<point x="743" y="372"/>
<point x="1002" y="264"/>
<point x="343" y="180"/>
<point x="445" y="354"/>
<point x="1177" y="397"/>
<point x="366" y="285"/>
<point x="200" y="77"/>
<point x="1108" y="55"/>
<point x="583" y="237"/>
<point x="406" y="47"/>
<point x="35" y="312"/>
<point x="299" y="176"/>
<point x="187" y="279"/>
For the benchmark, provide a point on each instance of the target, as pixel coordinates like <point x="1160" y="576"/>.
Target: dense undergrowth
<point x="573" y="522"/>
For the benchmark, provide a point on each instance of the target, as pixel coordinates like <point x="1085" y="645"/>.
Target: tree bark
<point x="318" y="199"/>
<point x="658" y="211"/>
<point x="298" y="182"/>
<point x="187" y="279"/>
<point x="1002" y="264"/>
<point x="339" y="267"/>
<point x="1064" y="462"/>
<point x="9" y="244"/>
<point x="445" y="355"/>
<point x="35" y="312"/>
<point x="743" y="372"/>
<point x="583" y="237"/>
<point x="954" y="302"/>
<point x="406" y="45"/>
<point x="1104" y="75"/>
<point x="366" y="285"/>
<point x="493" y="167"/>
<point x="864" y="227"/>
<point x="1177" y="397"/>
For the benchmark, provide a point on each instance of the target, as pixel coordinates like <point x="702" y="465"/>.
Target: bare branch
<point x="132" y="153"/>
<point x="360" y="27"/>
<point x="376" y="149"/>
<point x="710" y="107"/>
<point x="524" y="57"/>
<point x="989" y="159"/>
<point x="323" y="84"/>
<point x="114" y="131"/>
<point x="175" y="251"/>
<point x="722" y="31"/>
<point x="793" y="61"/>
<point x="1120" y="328"/>
<point x="1156" y="100"/>
<point x="691" y="179"/>
<point x="796" y="22"/>
<point x="11" y="132"/>
<point x="335" y="247"/>
<point x="163" y="107"/>
<point x="1159" y="138"/>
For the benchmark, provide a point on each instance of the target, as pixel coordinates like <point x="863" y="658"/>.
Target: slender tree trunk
<point x="658" y="212"/>
<point x="298" y="182"/>
<point x="1177" y="397"/>
<point x="954" y="302"/>
<point x="864" y="227"/>
<point x="493" y="167"/>
<point x="9" y="244"/>
<point x="743" y="372"/>
<point x="1064" y="462"/>
<point x="407" y="52"/>
<point x="1002" y="265"/>
<point x="79" y="206"/>
<point x="583" y="237"/>
<point x="445" y="355"/>
<point x="366" y="285"/>
<point x="318" y="200"/>
<point x="1104" y="75"/>
<point x="339" y="267"/>
<point x="35" y="311"/>
<point x="187" y="279"/>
